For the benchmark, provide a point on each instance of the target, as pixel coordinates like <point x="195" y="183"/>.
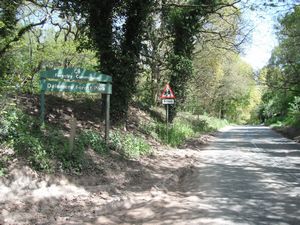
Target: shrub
<point x="39" y="147"/>
<point x="92" y="139"/>
<point x="176" y="134"/>
<point x="293" y="117"/>
<point x="184" y="126"/>
<point x="20" y="132"/>
<point x="129" y="145"/>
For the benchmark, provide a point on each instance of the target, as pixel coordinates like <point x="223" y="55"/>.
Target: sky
<point x="257" y="51"/>
<point x="262" y="41"/>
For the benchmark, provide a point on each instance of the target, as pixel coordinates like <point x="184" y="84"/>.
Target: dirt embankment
<point x="29" y="197"/>
<point x="290" y="132"/>
<point x="107" y="182"/>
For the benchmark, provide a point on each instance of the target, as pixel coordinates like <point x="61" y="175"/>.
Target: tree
<point x="184" y="24"/>
<point x="10" y="29"/>
<point x="223" y="85"/>
<point x="282" y="73"/>
<point x="115" y="29"/>
<point x="32" y="53"/>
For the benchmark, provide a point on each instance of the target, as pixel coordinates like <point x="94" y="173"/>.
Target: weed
<point x="129" y="145"/>
<point x="39" y="147"/>
<point x="92" y="139"/>
<point x="183" y="127"/>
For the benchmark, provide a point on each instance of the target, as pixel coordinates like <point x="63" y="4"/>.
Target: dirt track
<point x="246" y="175"/>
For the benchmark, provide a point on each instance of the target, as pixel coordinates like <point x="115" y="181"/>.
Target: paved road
<point x="248" y="175"/>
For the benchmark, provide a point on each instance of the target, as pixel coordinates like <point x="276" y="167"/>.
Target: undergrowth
<point x="292" y="119"/>
<point x="48" y="148"/>
<point x="129" y="145"/>
<point x="184" y="126"/>
<point x="45" y="148"/>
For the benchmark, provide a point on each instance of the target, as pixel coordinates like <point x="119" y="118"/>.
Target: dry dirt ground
<point x="245" y="175"/>
<point x="28" y="197"/>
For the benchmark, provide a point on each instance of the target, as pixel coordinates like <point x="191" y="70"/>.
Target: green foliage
<point x="117" y="44"/>
<point x="293" y="116"/>
<point x="116" y="48"/>
<point x="8" y="21"/>
<point x="32" y="147"/>
<point x="26" y="58"/>
<point x="129" y="145"/>
<point x="146" y="90"/>
<point x="223" y="86"/>
<point x="19" y="131"/>
<point x="2" y="170"/>
<point x="214" y="123"/>
<point x="42" y="147"/>
<point x="92" y="139"/>
<point x="281" y="76"/>
<point x="184" y="126"/>
<point x="183" y="24"/>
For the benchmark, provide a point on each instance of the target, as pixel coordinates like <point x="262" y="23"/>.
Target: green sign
<point x="62" y="86"/>
<point x="75" y="74"/>
<point x="76" y="80"/>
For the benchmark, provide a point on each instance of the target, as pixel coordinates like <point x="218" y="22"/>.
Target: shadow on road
<point x="248" y="175"/>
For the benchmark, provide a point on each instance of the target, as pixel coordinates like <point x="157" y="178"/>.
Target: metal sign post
<point x="76" y="80"/>
<point x="167" y="121"/>
<point x="107" y="120"/>
<point x="168" y="98"/>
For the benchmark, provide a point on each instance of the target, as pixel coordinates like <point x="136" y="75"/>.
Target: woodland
<point x="194" y="45"/>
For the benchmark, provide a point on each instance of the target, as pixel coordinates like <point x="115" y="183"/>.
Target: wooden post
<point x="42" y="102"/>
<point x="73" y="124"/>
<point x="107" y="120"/>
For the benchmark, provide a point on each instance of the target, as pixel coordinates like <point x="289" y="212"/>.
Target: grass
<point x="184" y="126"/>
<point x="129" y="145"/>
<point x="288" y="121"/>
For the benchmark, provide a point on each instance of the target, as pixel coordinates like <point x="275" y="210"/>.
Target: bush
<point x="92" y="139"/>
<point x="185" y="126"/>
<point x="176" y="134"/>
<point x="20" y="132"/>
<point x="293" y="117"/>
<point x="41" y="147"/>
<point x="129" y="145"/>
<point x="33" y="149"/>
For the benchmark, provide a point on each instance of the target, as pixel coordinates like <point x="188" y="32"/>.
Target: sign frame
<point x="171" y="93"/>
<point x="168" y="101"/>
<point x="68" y="86"/>
<point x="76" y="80"/>
<point x="79" y="74"/>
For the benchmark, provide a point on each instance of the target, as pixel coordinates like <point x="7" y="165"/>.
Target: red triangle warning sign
<point x="167" y="93"/>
